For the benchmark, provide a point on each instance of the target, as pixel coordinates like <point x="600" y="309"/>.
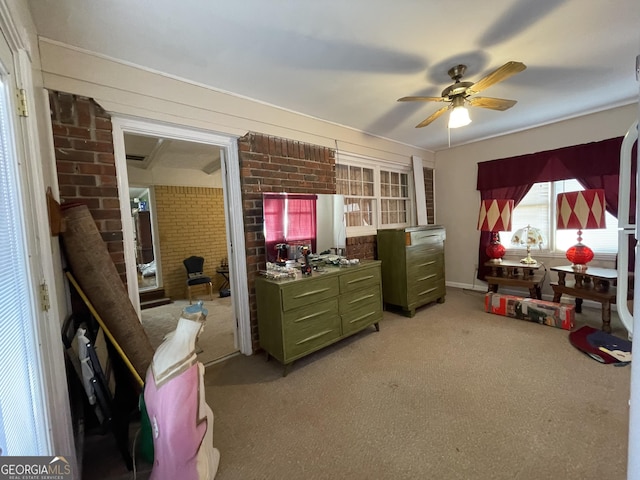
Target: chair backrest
<point x="194" y="265"/>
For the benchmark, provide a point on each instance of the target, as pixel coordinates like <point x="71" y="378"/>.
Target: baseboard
<point x="520" y="293"/>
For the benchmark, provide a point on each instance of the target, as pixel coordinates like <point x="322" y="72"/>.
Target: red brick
<point x="74" y="155"/>
<point x="93" y="146"/>
<point x="74" y="179"/>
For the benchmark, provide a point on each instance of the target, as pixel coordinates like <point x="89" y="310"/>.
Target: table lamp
<point x="495" y="216"/>
<point x="530" y="237"/>
<point x="581" y="210"/>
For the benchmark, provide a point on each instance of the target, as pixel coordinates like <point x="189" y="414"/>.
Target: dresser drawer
<point x="309" y="315"/>
<point x="310" y="327"/>
<point x="425" y="237"/>
<point x="367" y="296"/>
<point x="425" y="266"/>
<point x="426" y="289"/>
<point x="308" y="291"/>
<point x="363" y="315"/>
<point x="358" y="278"/>
<point x="417" y="252"/>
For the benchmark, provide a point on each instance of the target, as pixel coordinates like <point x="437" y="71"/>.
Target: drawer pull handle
<point x="427" y="263"/>
<point x="362" y="317"/>
<point x="360" y="299"/>
<point x="361" y="279"/>
<point x="313" y="337"/>
<point x="309" y="317"/>
<point x="428" y="291"/>
<point x="428" y="277"/>
<point x="312" y="292"/>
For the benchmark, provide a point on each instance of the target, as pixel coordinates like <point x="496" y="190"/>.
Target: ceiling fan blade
<point x="492" y="103"/>
<point x="498" y="75"/>
<point x="427" y="121"/>
<point x="421" y="99"/>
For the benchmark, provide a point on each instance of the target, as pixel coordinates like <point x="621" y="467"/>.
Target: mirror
<point x="140" y="203"/>
<point x="293" y="220"/>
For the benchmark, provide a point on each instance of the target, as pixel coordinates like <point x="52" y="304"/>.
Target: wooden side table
<point x="516" y="274"/>
<point x="593" y="284"/>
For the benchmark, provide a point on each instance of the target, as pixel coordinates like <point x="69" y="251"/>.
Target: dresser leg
<point x="286" y="368"/>
<point x="377" y="325"/>
<point x="440" y="300"/>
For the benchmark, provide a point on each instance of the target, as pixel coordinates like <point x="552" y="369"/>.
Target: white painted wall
<point x="458" y="200"/>
<point x="130" y="90"/>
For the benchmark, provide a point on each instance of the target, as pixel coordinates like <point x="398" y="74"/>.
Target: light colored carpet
<point x="215" y="341"/>
<point x="453" y="393"/>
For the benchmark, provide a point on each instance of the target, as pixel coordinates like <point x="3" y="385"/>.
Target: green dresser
<point x="412" y="266"/>
<point x="299" y="316"/>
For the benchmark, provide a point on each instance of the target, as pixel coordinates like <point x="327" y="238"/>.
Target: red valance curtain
<point x="594" y="165"/>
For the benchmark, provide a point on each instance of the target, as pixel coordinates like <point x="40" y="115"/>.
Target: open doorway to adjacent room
<point x="177" y="197"/>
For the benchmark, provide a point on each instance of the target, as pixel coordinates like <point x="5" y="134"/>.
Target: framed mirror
<point x="294" y="220"/>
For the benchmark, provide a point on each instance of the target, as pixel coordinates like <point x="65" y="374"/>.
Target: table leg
<point x="557" y="296"/>
<point x="533" y="292"/>
<point x="578" y="305"/>
<point x="606" y="317"/>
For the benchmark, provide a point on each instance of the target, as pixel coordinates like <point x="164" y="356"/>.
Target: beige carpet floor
<point x="217" y="338"/>
<point x="453" y="393"/>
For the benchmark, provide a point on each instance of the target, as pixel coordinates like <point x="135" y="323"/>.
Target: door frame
<point x="232" y="194"/>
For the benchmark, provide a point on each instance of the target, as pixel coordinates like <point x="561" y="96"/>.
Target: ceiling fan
<point x="459" y="92"/>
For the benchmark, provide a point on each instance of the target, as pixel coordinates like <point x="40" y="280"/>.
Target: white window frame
<point x="350" y="159"/>
<point x="550" y="248"/>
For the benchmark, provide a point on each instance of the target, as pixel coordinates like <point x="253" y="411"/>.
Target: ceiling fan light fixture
<point x="459" y="116"/>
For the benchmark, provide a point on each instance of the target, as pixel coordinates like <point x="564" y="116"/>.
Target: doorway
<point x="191" y="163"/>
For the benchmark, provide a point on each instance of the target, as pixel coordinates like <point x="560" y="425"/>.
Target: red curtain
<point x="594" y="165"/>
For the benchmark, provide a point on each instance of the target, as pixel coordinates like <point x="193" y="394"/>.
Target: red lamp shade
<point x="580" y="210"/>
<point x="495" y="216"/>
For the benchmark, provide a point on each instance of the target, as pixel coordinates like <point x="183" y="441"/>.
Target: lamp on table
<point x="495" y="216"/>
<point x="530" y="237"/>
<point x="581" y="210"/>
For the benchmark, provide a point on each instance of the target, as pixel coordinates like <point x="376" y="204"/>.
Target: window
<point x="394" y="195"/>
<point x="356" y="184"/>
<point x="23" y="430"/>
<point x="375" y="196"/>
<point x="537" y="209"/>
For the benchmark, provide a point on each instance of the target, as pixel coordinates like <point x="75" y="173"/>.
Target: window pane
<point x="532" y="210"/>
<point x="601" y="240"/>
<point x="22" y="429"/>
<point x="537" y="209"/>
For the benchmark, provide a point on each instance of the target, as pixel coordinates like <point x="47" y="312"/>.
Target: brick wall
<point x="271" y="164"/>
<point x="86" y="165"/>
<point x="363" y="248"/>
<point x="190" y="222"/>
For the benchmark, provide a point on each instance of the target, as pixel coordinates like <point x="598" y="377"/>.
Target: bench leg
<point x="579" y="305"/>
<point x="606" y="317"/>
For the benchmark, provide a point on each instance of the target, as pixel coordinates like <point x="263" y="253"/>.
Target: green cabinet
<point x="412" y="266"/>
<point x="299" y="316"/>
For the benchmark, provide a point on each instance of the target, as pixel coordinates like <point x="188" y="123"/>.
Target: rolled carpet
<point x="95" y="272"/>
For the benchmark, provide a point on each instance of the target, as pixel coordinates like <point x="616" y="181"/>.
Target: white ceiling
<point x="149" y="152"/>
<point x="348" y="61"/>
